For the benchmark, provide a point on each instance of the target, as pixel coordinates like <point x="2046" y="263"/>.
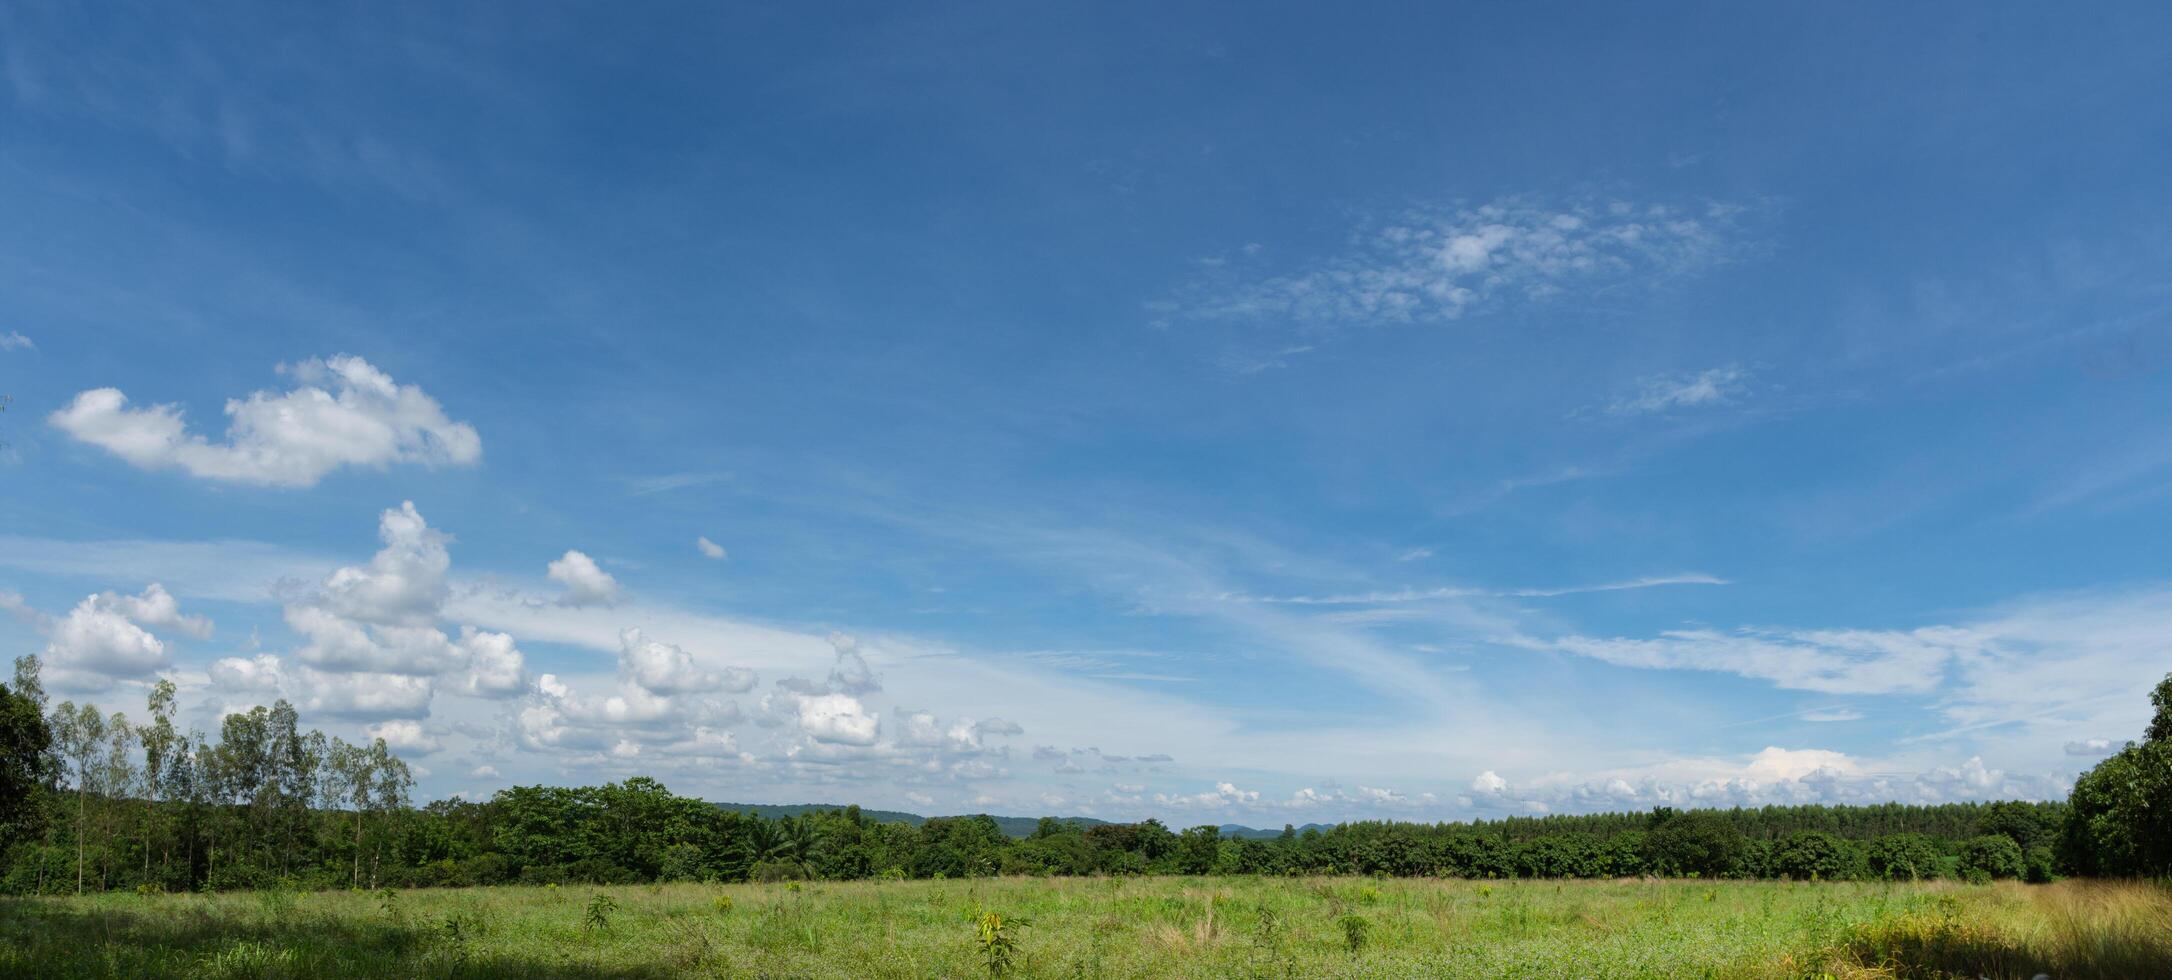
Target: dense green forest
<point x="90" y="801"/>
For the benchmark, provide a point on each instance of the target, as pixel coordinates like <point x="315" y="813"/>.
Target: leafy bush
<point x="1904" y="857"/>
<point x="1990" y="856"/>
<point x="996" y="938"/>
<point x="681" y="862"/>
<point x="1815" y="854"/>
<point x="1694" y="843"/>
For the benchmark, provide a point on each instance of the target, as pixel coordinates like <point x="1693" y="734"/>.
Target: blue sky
<point x="1111" y="409"/>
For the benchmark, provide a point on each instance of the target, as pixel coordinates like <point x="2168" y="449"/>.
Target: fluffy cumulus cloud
<point x="663" y="702"/>
<point x="259" y="674"/>
<point x="404" y="583"/>
<point x="1223" y="796"/>
<point x="850" y="674"/>
<point x="406" y="736"/>
<point x="585" y="583"/>
<point x="343" y="412"/>
<point x="371" y="646"/>
<point x="839" y="719"/>
<point x="365" y="695"/>
<point x="1439" y="264"/>
<point x="1771" y="776"/>
<point x="105" y="637"/>
<point x="661" y="668"/>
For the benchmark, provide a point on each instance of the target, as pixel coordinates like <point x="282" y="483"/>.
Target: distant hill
<point x="1011" y="826"/>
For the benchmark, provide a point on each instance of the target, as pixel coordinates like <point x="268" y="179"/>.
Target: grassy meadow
<point x="1111" y="927"/>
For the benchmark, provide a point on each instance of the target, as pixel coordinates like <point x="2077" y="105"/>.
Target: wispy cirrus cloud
<point x="1667" y="393"/>
<point x="1435" y="264"/>
<point x="1465" y="592"/>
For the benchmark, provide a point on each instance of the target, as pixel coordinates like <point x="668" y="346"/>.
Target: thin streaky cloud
<point x="1458" y="592"/>
<point x="1437" y="264"/>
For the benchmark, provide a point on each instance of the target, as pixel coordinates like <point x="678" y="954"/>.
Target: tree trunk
<point x="358" y="847"/>
<point x="79" y="838"/>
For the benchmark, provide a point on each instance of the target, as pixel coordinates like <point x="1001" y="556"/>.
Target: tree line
<point x="90" y="801"/>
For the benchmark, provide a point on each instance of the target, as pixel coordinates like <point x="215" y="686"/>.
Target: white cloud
<point x="339" y="644"/>
<point x="1441" y="264"/>
<point x="2092" y="748"/>
<point x="406" y="736"/>
<point x="483" y="772"/>
<point x="15" y="341"/>
<point x="917" y="798"/>
<point x="1830" y="715"/>
<point x="366" y="695"/>
<point x="1472" y="592"/>
<point x="1489" y="782"/>
<point x="1223" y="796"/>
<point x="851" y="675"/>
<point x="289" y="439"/>
<point x="662" y="668"/>
<point x="1716" y="386"/>
<point x="837" y="718"/>
<point x="92" y="644"/>
<point x="709" y="549"/>
<point x="585" y="583"/>
<point x="262" y="673"/>
<point x="379" y="621"/>
<point x="1828" y="661"/>
<point x="155" y="608"/>
<point x="404" y="583"/>
<point x="997" y="726"/>
<point x="104" y="638"/>
<point x="496" y="668"/>
<point x="16" y="607"/>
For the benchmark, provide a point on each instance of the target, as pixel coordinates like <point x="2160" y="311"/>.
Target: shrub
<point x="997" y="940"/>
<point x="1694" y="843"/>
<point x="1903" y="857"/>
<point x="1990" y="856"/>
<point x="1815" y="854"/>
<point x="598" y="913"/>
<point x="681" y="862"/>
<point x="1354" y="929"/>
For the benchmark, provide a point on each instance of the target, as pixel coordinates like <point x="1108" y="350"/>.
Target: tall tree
<point x="160" y="742"/>
<point x="81" y="733"/>
<point x="26" y="746"/>
<point x="116" y="780"/>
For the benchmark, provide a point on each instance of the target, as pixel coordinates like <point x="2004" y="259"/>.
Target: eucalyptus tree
<point x="116" y="783"/>
<point x="388" y="796"/>
<point x="80" y="733"/>
<point x="161" y="747"/>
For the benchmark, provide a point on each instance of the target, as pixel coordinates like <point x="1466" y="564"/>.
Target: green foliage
<point x="1355" y="929"/>
<point x="1152" y="927"/>
<point x="1904" y="857"/>
<point x="1697" y="843"/>
<point x="2119" y="817"/>
<point x="1991" y="856"/>
<point x="1814" y="855"/>
<point x="26" y="761"/>
<point x="598" y="913"/>
<point x="995" y="937"/>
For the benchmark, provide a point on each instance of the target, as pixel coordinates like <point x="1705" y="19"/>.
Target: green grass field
<point x="1116" y="927"/>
